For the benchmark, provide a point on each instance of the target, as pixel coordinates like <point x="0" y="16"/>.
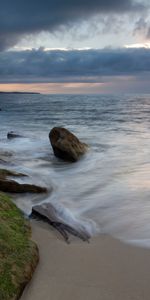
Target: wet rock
<point x="5" y="173"/>
<point x="11" y="186"/>
<point x="66" y="145"/>
<point x="47" y="212"/>
<point x="12" y="135"/>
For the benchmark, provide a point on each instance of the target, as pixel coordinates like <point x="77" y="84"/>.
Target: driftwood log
<point x="47" y="212"/>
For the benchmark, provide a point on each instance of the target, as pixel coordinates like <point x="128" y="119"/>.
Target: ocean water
<point x="108" y="190"/>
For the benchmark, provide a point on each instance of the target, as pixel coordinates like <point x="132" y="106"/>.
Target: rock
<point x="11" y="186"/>
<point x="12" y="135"/>
<point x="19" y="255"/>
<point x="47" y="212"/>
<point x="66" y="145"/>
<point x="5" y="173"/>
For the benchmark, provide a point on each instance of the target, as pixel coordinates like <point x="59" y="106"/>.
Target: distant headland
<point x="1" y="92"/>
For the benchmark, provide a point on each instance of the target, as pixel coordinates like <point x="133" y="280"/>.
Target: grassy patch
<point x="18" y="254"/>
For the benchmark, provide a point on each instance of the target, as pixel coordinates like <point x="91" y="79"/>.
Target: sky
<point x="75" y="46"/>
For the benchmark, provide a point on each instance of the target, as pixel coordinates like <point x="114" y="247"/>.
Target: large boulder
<point x="66" y="145"/>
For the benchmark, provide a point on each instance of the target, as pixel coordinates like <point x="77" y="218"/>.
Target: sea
<point x="108" y="190"/>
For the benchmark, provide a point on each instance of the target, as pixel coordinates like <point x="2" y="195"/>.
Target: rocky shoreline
<point x="18" y="254"/>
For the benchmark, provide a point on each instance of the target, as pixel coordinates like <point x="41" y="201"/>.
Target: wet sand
<point x="104" y="269"/>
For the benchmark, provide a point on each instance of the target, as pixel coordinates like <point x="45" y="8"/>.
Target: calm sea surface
<point x="108" y="191"/>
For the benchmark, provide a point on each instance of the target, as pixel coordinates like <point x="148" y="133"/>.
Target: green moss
<point x="18" y="254"/>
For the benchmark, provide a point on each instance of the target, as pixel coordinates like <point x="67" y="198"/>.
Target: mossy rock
<point x="18" y="254"/>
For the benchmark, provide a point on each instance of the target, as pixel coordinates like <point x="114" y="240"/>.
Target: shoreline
<point x="104" y="269"/>
<point x="17" y="92"/>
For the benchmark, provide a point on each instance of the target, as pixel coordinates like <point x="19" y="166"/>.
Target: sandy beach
<point x="104" y="269"/>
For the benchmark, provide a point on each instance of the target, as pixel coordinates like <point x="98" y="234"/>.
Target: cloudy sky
<point x="75" y="46"/>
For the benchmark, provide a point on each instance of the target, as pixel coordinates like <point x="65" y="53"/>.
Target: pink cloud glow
<point x="54" y="88"/>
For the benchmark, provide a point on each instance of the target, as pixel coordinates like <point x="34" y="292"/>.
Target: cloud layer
<point x="18" y="18"/>
<point x="72" y="66"/>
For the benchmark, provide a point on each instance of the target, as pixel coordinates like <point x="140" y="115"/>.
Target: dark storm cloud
<point x="20" y="17"/>
<point x="75" y="65"/>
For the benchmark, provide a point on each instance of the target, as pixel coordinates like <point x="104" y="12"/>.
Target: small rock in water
<point x="66" y="145"/>
<point x="12" y="135"/>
